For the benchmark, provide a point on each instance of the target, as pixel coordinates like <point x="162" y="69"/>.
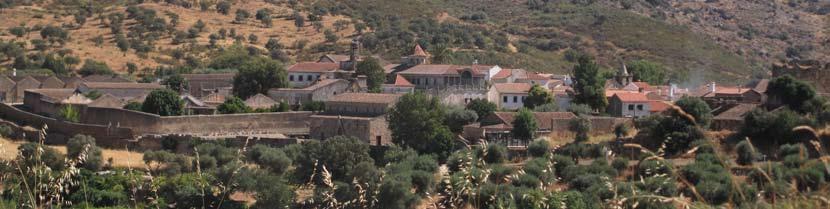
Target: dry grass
<point x="121" y="158"/>
<point x="82" y="45"/>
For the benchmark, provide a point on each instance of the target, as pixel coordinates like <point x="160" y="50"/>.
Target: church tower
<point x="623" y="77"/>
<point x="419" y="56"/>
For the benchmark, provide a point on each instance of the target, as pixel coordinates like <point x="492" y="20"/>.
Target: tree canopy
<point x="482" y="107"/>
<point x="417" y="121"/>
<point x="375" y="76"/>
<point x="164" y="102"/>
<point x="233" y="105"/>
<point x="788" y="91"/>
<point x="524" y="125"/>
<point x="588" y="85"/>
<point x="538" y="96"/>
<point x="697" y="108"/>
<point x="646" y="71"/>
<point x="258" y="75"/>
<point x="176" y="83"/>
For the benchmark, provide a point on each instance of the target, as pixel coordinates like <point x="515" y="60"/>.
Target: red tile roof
<point x="504" y="73"/>
<point x="121" y="85"/>
<point x="314" y="67"/>
<point x="658" y="106"/>
<point x="429" y="69"/>
<point x="643" y="85"/>
<point x="516" y="88"/>
<point x="631" y="97"/>
<point x="401" y="81"/>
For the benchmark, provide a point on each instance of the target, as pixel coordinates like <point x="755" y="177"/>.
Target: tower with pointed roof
<point x="419" y="56"/>
<point x="623" y="77"/>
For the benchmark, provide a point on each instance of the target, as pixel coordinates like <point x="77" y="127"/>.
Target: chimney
<point x="353" y="55"/>
<point x="672" y="89"/>
<point x="14" y="71"/>
<point x="712" y="87"/>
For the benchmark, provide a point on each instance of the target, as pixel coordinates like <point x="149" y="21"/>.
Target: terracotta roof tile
<point x="106" y="78"/>
<point x="401" y="81"/>
<point x="658" y="106"/>
<point x="737" y="112"/>
<point x="208" y="76"/>
<point x="631" y="97"/>
<point x="418" y="51"/>
<point x="429" y="69"/>
<point x="108" y="100"/>
<point x="260" y="101"/>
<point x="111" y="85"/>
<point x="504" y="73"/>
<point x="516" y="88"/>
<point x="314" y="67"/>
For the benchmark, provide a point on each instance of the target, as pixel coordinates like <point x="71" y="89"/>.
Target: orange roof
<point x="643" y="85"/>
<point x="419" y="51"/>
<point x="631" y="97"/>
<point x="314" y="67"/>
<point x="513" y="87"/>
<point x="658" y="106"/>
<point x="372" y="98"/>
<point x="401" y="81"/>
<point x="504" y="73"/>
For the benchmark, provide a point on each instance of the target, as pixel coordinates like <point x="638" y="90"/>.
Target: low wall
<point x="144" y="123"/>
<point x="59" y="131"/>
<point x="599" y="125"/>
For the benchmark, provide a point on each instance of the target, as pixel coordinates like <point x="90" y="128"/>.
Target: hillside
<point x="697" y="41"/>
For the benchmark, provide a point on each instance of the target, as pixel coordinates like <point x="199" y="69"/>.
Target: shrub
<point x="69" y="113"/>
<point x="85" y="144"/>
<point x="495" y="154"/>
<point x="538" y="148"/>
<point x="6" y="131"/>
<point x="746" y="153"/>
<point x="92" y="67"/>
<point x="620" y="163"/>
<point x="233" y="105"/>
<point x="581" y="126"/>
<point x="163" y="102"/>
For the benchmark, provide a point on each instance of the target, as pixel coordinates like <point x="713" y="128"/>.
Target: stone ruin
<point x="811" y="71"/>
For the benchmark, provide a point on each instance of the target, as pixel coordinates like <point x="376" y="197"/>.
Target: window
<point x="309" y="78"/>
<point x="300" y="78"/>
<point x="505" y="99"/>
<point x="515" y="99"/>
<point x="291" y="77"/>
<point x="630" y="107"/>
<point x="377" y="138"/>
<point x="639" y="107"/>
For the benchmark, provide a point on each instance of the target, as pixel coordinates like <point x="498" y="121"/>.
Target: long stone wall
<point x="59" y="131"/>
<point x="144" y="123"/>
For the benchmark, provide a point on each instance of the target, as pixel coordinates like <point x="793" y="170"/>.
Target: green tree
<point x="299" y="20"/>
<point x="538" y="148"/>
<point x="375" y="76"/>
<point x="417" y="121"/>
<point x="164" y="102"/>
<point x="242" y="15"/>
<point x="746" y="153"/>
<point x="588" y="85"/>
<point x="482" y="107"/>
<point x="18" y="31"/>
<point x="258" y="75"/>
<point x="92" y="67"/>
<point x="331" y="37"/>
<point x="581" y="126"/>
<point x="69" y="113"/>
<point x="538" y="96"/>
<point x="233" y="105"/>
<point x="697" y="108"/>
<point x="131" y="68"/>
<point x="788" y="91"/>
<point x="83" y="144"/>
<point x="56" y="64"/>
<point x="457" y="118"/>
<point x="223" y="7"/>
<point x="339" y="154"/>
<point x="646" y="71"/>
<point x="771" y="129"/>
<point x="134" y="106"/>
<point x="524" y="125"/>
<point x="176" y="83"/>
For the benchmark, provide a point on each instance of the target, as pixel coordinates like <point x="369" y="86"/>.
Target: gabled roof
<point x="260" y="101"/>
<point x="658" y="106"/>
<point x="737" y="112"/>
<point x="418" y="51"/>
<point x="314" y="67"/>
<point x="214" y="98"/>
<point x="371" y="98"/>
<point x="513" y="88"/>
<point x="191" y="100"/>
<point x="111" y="85"/>
<point x="430" y="69"/>
<point x="504" y="73"/>
<point x="21" y="79"/>
<point x="401" y="81"/>
<point x="108" y="100"/>
<point x="106" y="78"/>
<point x="335" y="57"/>
<point x="631" y="97"/>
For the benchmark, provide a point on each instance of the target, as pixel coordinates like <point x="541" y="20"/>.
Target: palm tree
<point x="441" y="54"/>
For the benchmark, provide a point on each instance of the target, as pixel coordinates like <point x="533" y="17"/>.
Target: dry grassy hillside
<point x="82" y="38"/>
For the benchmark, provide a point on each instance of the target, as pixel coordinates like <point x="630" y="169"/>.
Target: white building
<point x="510" y="96"/>
<point x="301" y="75"/>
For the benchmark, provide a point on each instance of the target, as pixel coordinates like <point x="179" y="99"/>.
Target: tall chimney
<point x="353" y="55"/>
<point x="712" y="87"/>
<point x="14" y="71"/>
<point x="672" y="89"/>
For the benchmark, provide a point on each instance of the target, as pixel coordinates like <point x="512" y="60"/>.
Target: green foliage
<point x="538" y="148"/>
<point x="581" y="126"/>
<point x="417" y="121"/>
<point x="457" y="118"/>
<point x="676" y="130"/>
<point x="6" y="131"/>
<point x="375" y="75"/>
<point x="588" y="85"/>
<point x="790" y="92"/>
<point x="258" y="75"/>
<point x="56" y="64"/>
<point x="647" y="71"/>
<point x="316" y="106"/>
<point x="223" y="7"/>
<point x="32" y="154"/>
<point x="92" y="67"/>
<point x="524" y="126"/>
<point x="622" y="130"/>
<point x="83" y="145"/>
<point x="338" y="154"/>
<point x="482" y="107"/>
<point x="133" y="105"/>
<point x="273" y="159"/>
<point x="549" y="107"/>
<point x="771" y="128"/>
<point x="69" y="113"/>
<point x="176" y="83"/>
<point x="697" y="108"/>
<point x="495" y="154"/>
<point x="163" y="102"/>
<point x="746" y="153"/>
<point x="580" y="109"/>
<point x="233" y="105"/>
<point x="538" y="96"/>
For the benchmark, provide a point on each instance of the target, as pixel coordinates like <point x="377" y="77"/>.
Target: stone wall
<point x="59" y="131"/>
<point x="811" y="71"/>
<point x="599" y="125"/>
<point x="373" y="130"/>
<point x="145" y="123"/>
